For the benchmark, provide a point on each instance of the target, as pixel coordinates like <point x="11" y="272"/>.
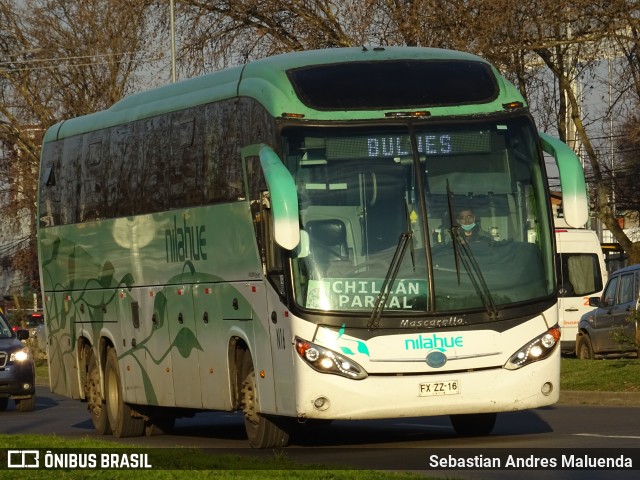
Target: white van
<point x="581" y="274"/>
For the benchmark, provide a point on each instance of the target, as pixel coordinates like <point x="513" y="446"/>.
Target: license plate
<point x="448" y="387"/>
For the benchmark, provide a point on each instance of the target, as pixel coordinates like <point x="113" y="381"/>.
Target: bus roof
<point x="268" y="81"/>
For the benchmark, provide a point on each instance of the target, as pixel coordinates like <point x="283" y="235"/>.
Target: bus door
<point x="280" y="335"/>
<point x="271" y="328"/>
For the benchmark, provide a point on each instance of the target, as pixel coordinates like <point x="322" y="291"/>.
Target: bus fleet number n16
<point x="450" y="387"/>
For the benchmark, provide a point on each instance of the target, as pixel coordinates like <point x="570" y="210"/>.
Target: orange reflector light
<point x="512" y="105"/>
<point x="555" y="332"/>
<point x="292" y="115"/>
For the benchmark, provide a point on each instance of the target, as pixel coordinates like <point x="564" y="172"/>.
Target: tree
<point x="625" y="179"/>
<point x="58" y="59"/>
<point x="540" y="44"/>
<point x="62" y="58"/>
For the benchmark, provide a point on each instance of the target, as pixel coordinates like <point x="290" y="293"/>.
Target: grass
<point x="618" y="375"/>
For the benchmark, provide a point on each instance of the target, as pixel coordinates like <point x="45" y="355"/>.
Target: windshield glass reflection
<point x="471" y="200"/>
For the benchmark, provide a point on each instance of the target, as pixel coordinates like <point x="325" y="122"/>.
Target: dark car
<point x="613" y="328"/>
<point x="35" y="325"/>
<point x="17" y="369"/>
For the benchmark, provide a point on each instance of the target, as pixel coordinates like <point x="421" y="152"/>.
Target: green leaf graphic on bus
<point x="186" y="342"/>
<point x="361" y="346"/>
<point x="160" y="309"/>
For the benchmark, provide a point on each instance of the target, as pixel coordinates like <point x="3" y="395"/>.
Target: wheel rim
<point x="113" y="395"/>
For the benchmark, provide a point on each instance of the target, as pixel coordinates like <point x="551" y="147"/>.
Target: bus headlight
<point x="324" y="360"/>
<point x="537" y="349"/>
<point x="20" y="355"/>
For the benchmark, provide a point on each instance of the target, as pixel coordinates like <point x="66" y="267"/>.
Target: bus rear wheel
<point x="95" y="401"/>
<point x="262" y="431"/>
<point x="121" y="419"/>
<point x="473" y="424"/>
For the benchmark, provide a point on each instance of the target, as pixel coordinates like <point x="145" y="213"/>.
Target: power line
<point x="153" y="57"/>
<point x="75" y="57"/>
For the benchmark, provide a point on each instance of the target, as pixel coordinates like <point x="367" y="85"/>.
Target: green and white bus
<point x="280" y="238"/>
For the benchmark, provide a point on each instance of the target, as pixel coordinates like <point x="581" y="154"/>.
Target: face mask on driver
<point x="468" y="228"/>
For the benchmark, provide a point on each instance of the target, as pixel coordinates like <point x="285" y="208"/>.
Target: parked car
<point x="35" y="324"/>
<point x="613" y="328"/>
<point x="17" y="369"/>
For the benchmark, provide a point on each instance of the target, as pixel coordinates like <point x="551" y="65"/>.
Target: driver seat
<point x="328" y="242"/>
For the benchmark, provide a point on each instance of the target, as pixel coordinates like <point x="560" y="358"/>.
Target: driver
<point x="470" y="230"/>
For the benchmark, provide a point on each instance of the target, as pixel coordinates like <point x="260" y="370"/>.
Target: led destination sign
<point x="392" y="146"/>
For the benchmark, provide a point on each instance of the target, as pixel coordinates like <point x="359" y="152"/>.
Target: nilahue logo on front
<point x="429" y="342"/>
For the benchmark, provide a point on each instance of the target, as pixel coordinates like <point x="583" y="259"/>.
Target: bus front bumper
<point x="322" y="396"/>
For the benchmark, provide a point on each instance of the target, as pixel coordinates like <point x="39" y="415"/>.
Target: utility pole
<point x="173" y="41"/>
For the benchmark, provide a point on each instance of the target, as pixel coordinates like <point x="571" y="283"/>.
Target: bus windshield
<point x="470" y="197"/>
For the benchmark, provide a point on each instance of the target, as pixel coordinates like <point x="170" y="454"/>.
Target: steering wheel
<point x="374" y="264"/>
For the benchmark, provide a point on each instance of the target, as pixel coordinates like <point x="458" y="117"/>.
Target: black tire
<point x="26" y="404"/>
<point x="584" y="349"/>
<point x="473" y="424"/>
<point x="262" y="431"/>
<point x="95" y="399"/>
<point x="121" y="420"/>
<point x="4" y="403"/>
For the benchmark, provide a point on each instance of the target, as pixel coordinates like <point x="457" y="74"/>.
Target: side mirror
<point x="22" y="334"/>
<point x="565" y="290"/>
<point x="594" y="301"/>
<point x="283" y="194"/>
<point x="575" y="203"/>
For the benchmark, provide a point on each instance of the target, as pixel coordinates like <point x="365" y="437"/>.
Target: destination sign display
<point x="393" y="146"/>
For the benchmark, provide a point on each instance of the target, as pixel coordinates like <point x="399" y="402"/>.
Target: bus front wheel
<point x="121" y="419"/>
<point x="474" y="424"/>
<point x="262" y="431"/>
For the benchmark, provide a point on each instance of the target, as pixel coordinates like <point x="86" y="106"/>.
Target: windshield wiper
<point x="389" y="279"/>
<point x="410" y="231"/>
<point x="456" y="255"/>
<point x="462" y="253"/>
